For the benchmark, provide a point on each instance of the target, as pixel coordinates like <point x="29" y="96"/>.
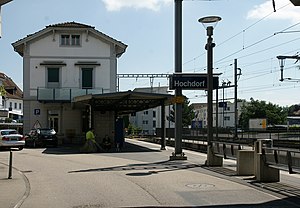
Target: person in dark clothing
<point x="106" y="143"/>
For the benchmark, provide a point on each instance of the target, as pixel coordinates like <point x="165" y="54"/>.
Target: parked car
<point x="10" y="138"/>
<point x="41" y="137"/>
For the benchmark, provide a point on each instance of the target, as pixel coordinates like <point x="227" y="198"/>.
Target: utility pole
<point x="235" y="101"/>
<point x="178" y="154"/>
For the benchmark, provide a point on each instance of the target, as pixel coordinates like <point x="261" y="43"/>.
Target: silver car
<point x="10" y="138"/>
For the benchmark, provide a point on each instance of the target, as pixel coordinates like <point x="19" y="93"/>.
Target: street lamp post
<point x="208" y="22"/>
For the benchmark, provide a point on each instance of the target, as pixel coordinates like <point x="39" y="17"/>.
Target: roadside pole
<point x="10" y="164"/>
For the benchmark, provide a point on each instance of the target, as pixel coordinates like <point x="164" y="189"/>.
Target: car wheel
<point x="20" y="148"/>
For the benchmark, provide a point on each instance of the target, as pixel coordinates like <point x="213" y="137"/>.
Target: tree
<point x="187" y="113"/>
<point x="260" y="109"/>
<point x="2" y="91"/>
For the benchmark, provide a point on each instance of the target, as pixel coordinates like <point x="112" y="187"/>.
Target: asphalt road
<point x="141" y="176"/>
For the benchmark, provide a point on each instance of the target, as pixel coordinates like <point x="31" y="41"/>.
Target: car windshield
<point x="47" y="131"/>
<point x="7" y="132"/>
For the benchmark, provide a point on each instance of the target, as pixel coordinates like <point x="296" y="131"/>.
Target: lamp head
<point x="209" y="21"/>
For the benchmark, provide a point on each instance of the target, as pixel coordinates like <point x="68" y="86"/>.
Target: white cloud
<point x="289" y="12"/>
<point x="117" y="5"/>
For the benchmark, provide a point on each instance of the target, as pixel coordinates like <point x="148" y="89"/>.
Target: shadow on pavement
<point x="148" y="168"/>
<point x="289" y="202"/>
<point x="75" y="149"/>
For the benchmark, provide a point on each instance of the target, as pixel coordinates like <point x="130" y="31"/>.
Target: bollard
<point x="10" y="165"/>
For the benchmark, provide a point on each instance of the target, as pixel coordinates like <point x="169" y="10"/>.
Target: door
<point x="53" y="122"/>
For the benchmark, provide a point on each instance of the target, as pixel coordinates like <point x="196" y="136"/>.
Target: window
<point x="16" y="105"/>
<point x="20" y="106"/>
<point x="70" y="40"/>
<point x="65" y="40"/>
<point x="53" y="74"/>
<point x="145" y="112"/>
<point x="226" y="118"/>
<point x="87" y="78"/>
<point x="53" y="80"/>
<point x="75" y="40"/>
<point x="154" y="114"/>
<point x="154" y="124"/>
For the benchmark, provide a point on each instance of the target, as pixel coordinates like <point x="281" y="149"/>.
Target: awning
<point x="125" y="102"/>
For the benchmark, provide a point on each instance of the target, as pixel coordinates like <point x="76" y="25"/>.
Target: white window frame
<point x="67" y="40"/>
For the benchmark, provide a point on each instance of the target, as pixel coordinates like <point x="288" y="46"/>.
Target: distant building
<point x="226" y="115"/>
<point x="149" y="120"/>
<point x="11" y="101"/>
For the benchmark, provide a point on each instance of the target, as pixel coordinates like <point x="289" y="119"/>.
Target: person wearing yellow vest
<point x="90" y="137"/>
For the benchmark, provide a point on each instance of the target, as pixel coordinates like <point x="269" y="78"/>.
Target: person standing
<point x="91" y="143"/>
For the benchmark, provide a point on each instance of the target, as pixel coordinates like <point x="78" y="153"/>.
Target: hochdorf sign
<point x="191" y="81"/>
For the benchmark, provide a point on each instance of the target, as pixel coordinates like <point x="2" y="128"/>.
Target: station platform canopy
<point x="124" y="102"/>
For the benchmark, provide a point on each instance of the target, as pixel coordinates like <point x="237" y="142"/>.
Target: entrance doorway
<point x="54" y="122"/>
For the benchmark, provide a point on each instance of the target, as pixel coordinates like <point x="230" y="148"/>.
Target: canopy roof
<point x="125" y="102"/>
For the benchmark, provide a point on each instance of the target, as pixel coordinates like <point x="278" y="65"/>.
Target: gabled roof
<point x="19" y="45"/>
<point x="10" y="86"/>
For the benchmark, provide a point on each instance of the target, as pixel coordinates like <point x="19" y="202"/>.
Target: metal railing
<point x="286" y="159"/>
<point x="227" y="150"/>
<point x="64" y="94"/>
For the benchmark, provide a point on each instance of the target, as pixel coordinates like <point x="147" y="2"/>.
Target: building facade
<point x="11" y="100"/>
<point x="224" y="115"/>
<point x="150" y="119"/>
<point x="63" y="61"/>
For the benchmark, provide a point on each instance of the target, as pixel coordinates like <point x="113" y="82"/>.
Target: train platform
<point x="150" y="180"/>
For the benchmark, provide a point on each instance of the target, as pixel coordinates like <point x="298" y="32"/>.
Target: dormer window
<point x="69" y="40"/>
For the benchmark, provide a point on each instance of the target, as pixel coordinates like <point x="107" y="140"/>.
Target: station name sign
<point x="191" y="82"/>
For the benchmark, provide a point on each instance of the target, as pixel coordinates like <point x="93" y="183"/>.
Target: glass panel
<point x="94" y="91"/>
<point x="65" y="40"/>
<point x="75" y="40"/>
<point x="45" y="94"/>
<point x="87" y="78"/>
<point x="62" y="94"/>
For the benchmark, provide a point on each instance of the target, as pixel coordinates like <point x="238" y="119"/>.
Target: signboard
<point x="4" y="113"/>
<point x="196" y="124"/>
<point x="178" y="99"/>
<point x="257" y="124"/>
<point x="191" y="82"/>
<point x="37" y="125"/>
<point x="222" y="104"/>
<point x="37" y="111"/>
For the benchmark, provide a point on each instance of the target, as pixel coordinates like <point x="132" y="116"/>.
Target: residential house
<point x="63" y="61"/>
<point x="150" y="119"/>
<point x="11" y="101"/>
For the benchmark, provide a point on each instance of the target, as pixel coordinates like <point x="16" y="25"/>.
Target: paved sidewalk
<point x="218" y="184"/>
<point x="12" y="190"/>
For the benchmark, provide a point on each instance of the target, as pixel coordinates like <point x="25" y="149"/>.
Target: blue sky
<point x="248" y="32"/>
